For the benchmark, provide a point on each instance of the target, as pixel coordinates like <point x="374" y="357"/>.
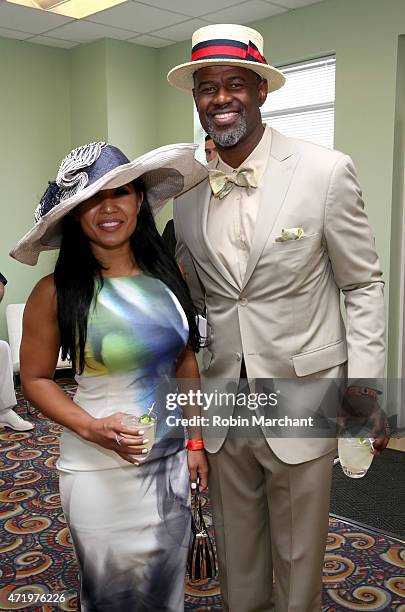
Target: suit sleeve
<point x="185" y="260"/>
<point x="169" y="237"/>
<point x="357" y="272"/>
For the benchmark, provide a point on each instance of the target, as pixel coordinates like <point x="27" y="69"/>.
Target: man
<point x="210" y="149"/>
<point x="8" y="418"/>
<point x="274" y="236"/>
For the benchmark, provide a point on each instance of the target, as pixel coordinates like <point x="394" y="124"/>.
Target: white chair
<point x="14" y="317"/>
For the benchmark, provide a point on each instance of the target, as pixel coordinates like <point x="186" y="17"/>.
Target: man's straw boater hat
<point x="166" y="172"/>
<point x="226" y="45"/>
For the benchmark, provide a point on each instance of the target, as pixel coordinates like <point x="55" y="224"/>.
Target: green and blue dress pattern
<point x="129" y="525"/>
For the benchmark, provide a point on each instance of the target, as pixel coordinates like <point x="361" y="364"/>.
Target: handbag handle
<point x="198" y="518"/>
<point x="201" y="561"/>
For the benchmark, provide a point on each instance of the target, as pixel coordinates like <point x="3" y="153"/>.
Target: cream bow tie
<point x="223" y="182"/>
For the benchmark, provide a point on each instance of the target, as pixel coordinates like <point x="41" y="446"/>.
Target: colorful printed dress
<point x="130" y="525"/>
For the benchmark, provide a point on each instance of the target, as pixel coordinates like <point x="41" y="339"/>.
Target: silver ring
<point x="118" y="439"/>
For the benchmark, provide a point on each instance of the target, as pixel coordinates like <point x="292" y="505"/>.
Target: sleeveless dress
<point x="130" y="525"/>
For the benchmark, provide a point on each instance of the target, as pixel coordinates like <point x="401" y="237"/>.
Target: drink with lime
<point x="355" y="455"/>
<point x="146" y="423"/>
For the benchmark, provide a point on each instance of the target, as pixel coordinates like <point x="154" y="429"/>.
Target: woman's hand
<point x="198" y="469"/>
<point x="109" y="432"/>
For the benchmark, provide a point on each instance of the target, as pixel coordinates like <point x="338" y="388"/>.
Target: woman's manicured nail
<point x="144" y="451"/>
<point x="145" y="441"/>
<point x="141" y="432"/>
<point x="193" y="485"/>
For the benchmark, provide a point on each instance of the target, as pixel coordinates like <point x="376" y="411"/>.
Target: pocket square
<point x="290" y="233"/>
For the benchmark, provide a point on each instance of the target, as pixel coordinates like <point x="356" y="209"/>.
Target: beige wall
<point x="88" y="93"/>
<point x="35" y="124"/>
<point x="132" y="96"/>
<point x="396" y="338"/>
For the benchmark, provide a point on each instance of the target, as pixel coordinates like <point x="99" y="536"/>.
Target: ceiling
<point x="153" y="23"/>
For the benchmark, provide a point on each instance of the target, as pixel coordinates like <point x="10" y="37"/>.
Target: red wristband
<point x="195" y="444"/>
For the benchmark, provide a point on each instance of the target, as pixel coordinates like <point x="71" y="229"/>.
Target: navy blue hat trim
<point x="81" y="168"/>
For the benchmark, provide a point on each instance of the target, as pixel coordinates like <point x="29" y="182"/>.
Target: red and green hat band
<point x="222" y="48"/>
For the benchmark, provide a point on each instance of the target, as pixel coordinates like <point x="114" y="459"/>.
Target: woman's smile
<point x="109" y="218"/>
<point x="112" y="225"/>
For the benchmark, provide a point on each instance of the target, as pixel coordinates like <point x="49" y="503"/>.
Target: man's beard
<point x="230" y="137"/>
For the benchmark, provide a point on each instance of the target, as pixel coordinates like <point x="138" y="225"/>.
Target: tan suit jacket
<point x="285" y="319"/>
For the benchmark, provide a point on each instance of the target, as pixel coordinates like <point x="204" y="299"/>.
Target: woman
<point x="118" y="306"/>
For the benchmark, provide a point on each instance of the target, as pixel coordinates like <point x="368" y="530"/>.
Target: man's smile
<point x="224" y="118"/>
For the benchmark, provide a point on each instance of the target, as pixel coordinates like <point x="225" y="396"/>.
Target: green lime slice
<point x="145" y="418"/>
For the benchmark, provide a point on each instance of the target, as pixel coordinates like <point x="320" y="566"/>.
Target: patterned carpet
<point x="364" y="569"/>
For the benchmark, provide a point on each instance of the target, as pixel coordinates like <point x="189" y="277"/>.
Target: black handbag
<point x="201" y="560"/>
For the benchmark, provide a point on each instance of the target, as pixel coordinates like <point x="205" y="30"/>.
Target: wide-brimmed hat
<point x="166" y="172"/>
<point x="227" y="45"/>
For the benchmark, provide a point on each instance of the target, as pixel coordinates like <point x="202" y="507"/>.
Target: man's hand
<point x="1" y="291"/>
<point x="360" y="412"/>
<point x="380" y="428"/>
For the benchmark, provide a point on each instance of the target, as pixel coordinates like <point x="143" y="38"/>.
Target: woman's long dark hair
<point x="77" y="269"/>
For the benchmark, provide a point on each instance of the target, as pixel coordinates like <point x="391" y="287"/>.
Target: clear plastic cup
<point x="147" y="424"/>
<point x="355" y="455"/>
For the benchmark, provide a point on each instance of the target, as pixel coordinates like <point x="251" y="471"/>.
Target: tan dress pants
<point x="269" y="516"/>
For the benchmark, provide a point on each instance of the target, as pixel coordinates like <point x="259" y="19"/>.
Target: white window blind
<point x="305" y="106"/>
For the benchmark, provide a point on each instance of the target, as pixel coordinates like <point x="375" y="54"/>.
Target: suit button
<point x="243" y="301"/>
<point x="238" y="356"/>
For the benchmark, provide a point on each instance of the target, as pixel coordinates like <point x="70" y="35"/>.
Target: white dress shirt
<point x="232" y="219"/>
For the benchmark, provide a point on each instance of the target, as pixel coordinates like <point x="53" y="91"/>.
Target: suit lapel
<point x="277" y="178"/>
<point x="205" y="197"/>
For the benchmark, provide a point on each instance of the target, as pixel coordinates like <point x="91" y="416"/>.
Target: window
<point x="305" y="106"/>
